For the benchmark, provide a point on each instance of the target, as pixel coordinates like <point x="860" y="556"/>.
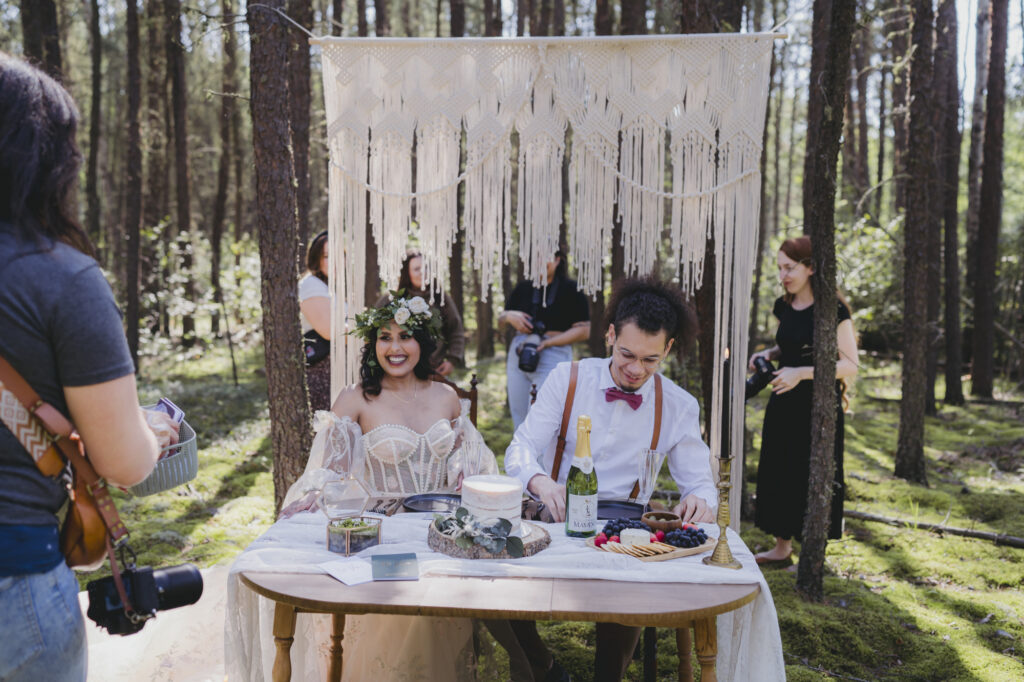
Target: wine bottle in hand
<point x="581" y="486"/>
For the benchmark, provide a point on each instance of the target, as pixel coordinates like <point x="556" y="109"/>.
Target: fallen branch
<point x="997" y="538"/>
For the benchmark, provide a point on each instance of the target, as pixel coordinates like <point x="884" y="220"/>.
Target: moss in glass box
<point x="351" y="536"/>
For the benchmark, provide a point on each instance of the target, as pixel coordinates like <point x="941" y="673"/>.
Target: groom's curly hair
<point x="653" y="306"/>
<point x="370" y="371"/>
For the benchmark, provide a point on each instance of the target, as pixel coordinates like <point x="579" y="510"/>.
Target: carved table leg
<point x="337" y="634"/>
<point x="706" y="633"/>
<point x="284" y="635"/>
<point x="684" y="646"/>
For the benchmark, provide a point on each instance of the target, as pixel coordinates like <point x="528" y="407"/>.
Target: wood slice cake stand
<point x="537" y="540"/>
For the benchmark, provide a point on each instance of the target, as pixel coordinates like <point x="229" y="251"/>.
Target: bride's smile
<point x="397" y="350"/>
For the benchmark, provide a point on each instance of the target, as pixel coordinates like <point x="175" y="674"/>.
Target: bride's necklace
<point x="408" y="401"/>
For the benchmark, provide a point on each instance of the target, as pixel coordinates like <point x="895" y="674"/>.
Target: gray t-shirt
<point x="59" y="326"/>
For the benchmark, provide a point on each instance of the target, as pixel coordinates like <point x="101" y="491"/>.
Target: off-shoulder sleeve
<point x="336" y="445"/>
<point x="469" y="448"/>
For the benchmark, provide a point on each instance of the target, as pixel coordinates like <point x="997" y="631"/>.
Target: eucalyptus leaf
<point x="514" y="547"/>
<point x="464" y="542"/>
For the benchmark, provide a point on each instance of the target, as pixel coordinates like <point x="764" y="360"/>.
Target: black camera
<point x="529" y="356"/>
<point x="149" y="590"/>
<point x="764" y="372"/>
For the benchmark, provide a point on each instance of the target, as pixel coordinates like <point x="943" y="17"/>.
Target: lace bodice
<point x="392" y="458"/>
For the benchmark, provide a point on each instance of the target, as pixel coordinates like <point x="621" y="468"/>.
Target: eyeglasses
<point x="787" y="269"/>
<point x="649" y="364"/>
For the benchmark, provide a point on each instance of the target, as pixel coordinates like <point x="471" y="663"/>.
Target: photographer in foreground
<point x="61" y="331"/>
<point x="548" y="320"/>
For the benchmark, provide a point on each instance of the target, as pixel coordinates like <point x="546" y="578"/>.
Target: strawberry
<point x="660" y="535"/>
<point x="600" y="540"/>
<point x="601" y="536"/>
<point x="614" y="538"/>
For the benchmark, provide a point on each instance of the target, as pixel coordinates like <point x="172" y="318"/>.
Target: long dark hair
<point x="799" y="249"/>
<point x="370" y="375"/>
<point x="314" y="253"/>
<point x="39" y="159"/>
<point x="404" y="278"/>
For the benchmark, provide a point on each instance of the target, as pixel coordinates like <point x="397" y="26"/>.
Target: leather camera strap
<point x="574" y="373"/>
<point x="60" y="435"/>
<point x="656" y="436"/>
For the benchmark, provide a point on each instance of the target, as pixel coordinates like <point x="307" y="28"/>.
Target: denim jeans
<point x="42" y="633"/>
<point x="519" y="382"/>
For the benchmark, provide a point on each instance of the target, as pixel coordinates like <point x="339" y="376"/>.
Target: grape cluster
<point x="686" y="537"/>
<point x="616" y="526"/>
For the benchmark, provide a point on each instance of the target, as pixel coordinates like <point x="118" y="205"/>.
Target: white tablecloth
<point x="749" y="645"/>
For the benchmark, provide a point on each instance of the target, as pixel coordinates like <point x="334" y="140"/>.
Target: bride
<point x="401" y="433"/>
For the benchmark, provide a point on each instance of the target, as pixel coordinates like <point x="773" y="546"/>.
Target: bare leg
<point x="284" y="635"/>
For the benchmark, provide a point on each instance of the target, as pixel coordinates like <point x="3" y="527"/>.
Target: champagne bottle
<point x="581" y="486"/>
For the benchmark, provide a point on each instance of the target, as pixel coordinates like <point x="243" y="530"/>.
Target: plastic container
<point x="176" y="468"/>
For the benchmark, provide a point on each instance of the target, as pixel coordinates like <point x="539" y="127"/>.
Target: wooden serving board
<point x="656" y="551"/>
<point x="537" y="540"/>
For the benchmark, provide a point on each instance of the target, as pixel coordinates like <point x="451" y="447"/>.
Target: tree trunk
<point x="133" y="193"/>
<point x="458" y="18"/>
<point x="381" y="24"/>
<point x="521" y="12"/>
<point x="557" y="18"/>
<point x="634" y="17"/>
<point x="975" y="158"/>
<point x="299" y="103"/>
<point x="990" y="215"/>
<point x="41" y="36"/>
<point x="780" y="97"/>
<point x="762" y="225"/>
<point x="816" y="105"/>
<point x="900" y="28"/>
<point x="154" y="204"/>
<point x="176" y="67"/>
<point x="361" y="26"/>
<point x="860" y="63"/>
<point x="604" y="18"/>
<point x="220" y="202"/>
<point x="849" y="188"/>
<point x="835" y="20"/>
<point x="484" y="321"/>
<point x="910" y="462"/>
<point x="337" y="16"/>
<point x="92" y="194"/>
<point x="880" y="171"/>
<point x="949" y="169"/>
<point x="288" y="397"/>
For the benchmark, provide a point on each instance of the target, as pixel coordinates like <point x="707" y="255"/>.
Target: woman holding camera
<point x="547" y="321"/>
<point x="784" y="467"/>
<point x="62" y="333"/>
<point x="315" y="306"/>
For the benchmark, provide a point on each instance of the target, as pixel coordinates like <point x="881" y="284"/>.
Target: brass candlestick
<point x="722" y="556"/>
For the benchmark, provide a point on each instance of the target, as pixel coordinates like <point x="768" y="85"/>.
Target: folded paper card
<point x="395" y="567"/>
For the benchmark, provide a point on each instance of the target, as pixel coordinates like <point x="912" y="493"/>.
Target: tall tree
<point x="371" y="279"/>
<point x="278" y="237"/>
<point x="948" y="92"/>
<point x="860" y="65"/>
<point x="92" y="193"/>
<point x="176" y="69"/>
<point x="381" y="23"/>
<point x="762" y="225"/>
<point x="882" y="134"/>
<point x="457" y="21"/>
<point x="604" y="19"/>
<point x="982" y="50"/>
<point x="41" y="36"/>
<point x="634" y="17"/>
<point x="834" y="22"/>
<point x="133" y="192"/>
<point x="337" y="12"/>
<point x="920" y="164"/>
<point x="900" y="27"/>
<point x="361" y="26"/>
<point x="299" y="96"/>
<point x="990" y="215"/>
<point x="154" y="203"/>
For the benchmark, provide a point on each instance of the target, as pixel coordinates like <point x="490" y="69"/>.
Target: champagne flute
<point x="650" y="465"/>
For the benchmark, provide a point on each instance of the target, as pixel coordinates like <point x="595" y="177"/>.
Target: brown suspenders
<point x="567" y="412"/>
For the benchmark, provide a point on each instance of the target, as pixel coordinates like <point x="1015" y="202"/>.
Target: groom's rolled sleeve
<point x="689" y="461"/>
<point x="527" y="452"/>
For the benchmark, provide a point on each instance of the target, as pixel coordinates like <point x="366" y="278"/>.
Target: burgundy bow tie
<point x="632" y="399"/>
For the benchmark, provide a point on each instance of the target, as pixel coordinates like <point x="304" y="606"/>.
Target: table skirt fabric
<point x="749" y="644"/>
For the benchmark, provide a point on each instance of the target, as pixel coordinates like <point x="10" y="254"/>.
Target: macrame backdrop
<point x="660" y="132"/>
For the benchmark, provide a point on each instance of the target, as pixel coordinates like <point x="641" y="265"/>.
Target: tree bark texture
<point x="949" y="169"/>
<point x="133" y="192"/>
<point x="41" y="36"/>
<point x="381" y="24"/>
<point x="604" y="18"/>
<point x="337" y="15"/>
<point x="362" y="28"/>
<point x="92" y="193"/>
<point x="982" y="45"/>
<point x="920" y="162"/>
<point x="880" y="159"/>
<point x="762" y="225"/>
<point x="299" y="95"/>
<point x="288" y="397"/>
<point x="816" y="107"/>
<point x="900" y="27"/>
<point x="849" y="156"/>
<point x="838" y="25"/>
<point x="458" y="18"/>
<point x="860" y="64"/>
<point x="634" y="17"/>
<point x="176" y="68"/>
<point x="990" y="215"/>
<point x="220" y="201"/>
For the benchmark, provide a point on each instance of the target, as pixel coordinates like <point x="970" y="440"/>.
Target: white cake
<point x="489" y="497"/>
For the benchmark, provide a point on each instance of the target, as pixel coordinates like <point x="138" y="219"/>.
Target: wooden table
<point x="675" y="605"/>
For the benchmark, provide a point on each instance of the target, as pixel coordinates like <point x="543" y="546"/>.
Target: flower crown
<point x="408" y="313"/>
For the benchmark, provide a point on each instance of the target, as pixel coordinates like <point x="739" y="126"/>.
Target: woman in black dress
<point x="783" y="470"/>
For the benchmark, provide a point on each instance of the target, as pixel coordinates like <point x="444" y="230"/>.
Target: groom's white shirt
<point x="618" y="434"/>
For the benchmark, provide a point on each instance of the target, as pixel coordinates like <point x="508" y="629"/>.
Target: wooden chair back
<point x="470" y="395"/>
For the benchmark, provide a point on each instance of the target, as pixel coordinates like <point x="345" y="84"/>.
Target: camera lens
<point x="178" y="586"/>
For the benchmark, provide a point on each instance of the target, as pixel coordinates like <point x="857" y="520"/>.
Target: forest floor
<point x="900" y="603"/>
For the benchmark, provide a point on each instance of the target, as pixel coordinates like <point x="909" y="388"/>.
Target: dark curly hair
<point x="313" y="255"/>
<point x="39" y="159"/>
<point x="653" y="306"/>
<point x="371" y="374"/>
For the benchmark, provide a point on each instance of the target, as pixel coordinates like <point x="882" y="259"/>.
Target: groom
<point x="628" y="402"/>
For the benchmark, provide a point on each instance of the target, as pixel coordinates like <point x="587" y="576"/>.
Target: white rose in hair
<point x="402" y="315"/>
<point x="418" y="306"/>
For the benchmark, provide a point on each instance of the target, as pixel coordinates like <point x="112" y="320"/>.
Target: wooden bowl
<point x="662" y="520"/>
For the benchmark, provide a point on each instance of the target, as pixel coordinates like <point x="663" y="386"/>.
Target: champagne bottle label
<point x="584" y="464"/>
<point x="581" y="513"/>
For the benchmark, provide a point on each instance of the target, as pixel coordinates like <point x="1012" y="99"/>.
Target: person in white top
<point x="646" y="320"/>
<point x="315" y="306"/>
